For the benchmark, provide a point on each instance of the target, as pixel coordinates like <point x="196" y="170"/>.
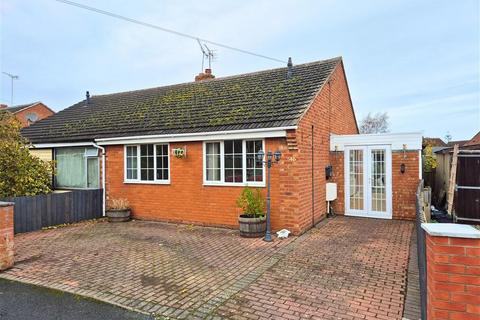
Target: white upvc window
<point x="233" y="163"/>
<point x="77" y="168"/>
<point x="147" y="163"/>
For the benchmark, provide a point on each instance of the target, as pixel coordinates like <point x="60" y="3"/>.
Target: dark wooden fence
<point x="467" y="202"/>
<point x="36" y="212"/>
<point x="421" y="249"/>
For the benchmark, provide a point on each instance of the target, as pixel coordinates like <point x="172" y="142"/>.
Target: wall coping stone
<point x="6" y="204"/>
<point x="451" y="230"/>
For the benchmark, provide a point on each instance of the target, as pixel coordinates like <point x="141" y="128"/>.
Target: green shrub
<point x="429" y="161"/>
<point x="21" y="173"/>
<point x="251" y="202"/>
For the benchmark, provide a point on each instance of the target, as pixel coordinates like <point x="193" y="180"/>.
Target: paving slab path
<point x="346" y="268"/>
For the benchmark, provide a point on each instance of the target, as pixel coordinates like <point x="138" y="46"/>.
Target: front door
<point x="368" y="181"/>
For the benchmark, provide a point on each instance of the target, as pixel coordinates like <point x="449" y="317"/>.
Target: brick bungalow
<point x="29" y="113"/>
<point x="220" y="124"/>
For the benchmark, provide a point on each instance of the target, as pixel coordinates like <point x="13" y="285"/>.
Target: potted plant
<point x="118" y="210"/>
<point x="252" y="222"/>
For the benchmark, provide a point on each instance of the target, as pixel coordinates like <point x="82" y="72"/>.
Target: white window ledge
<point x="451" y="230"/>
<point x="147" y="182"/>
<point x="231" y="184"/>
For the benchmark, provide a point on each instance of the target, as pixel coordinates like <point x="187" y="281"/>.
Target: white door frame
<point x="367" y="168"/>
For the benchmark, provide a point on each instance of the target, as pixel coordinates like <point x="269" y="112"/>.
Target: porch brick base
<point x="6" y="235"/>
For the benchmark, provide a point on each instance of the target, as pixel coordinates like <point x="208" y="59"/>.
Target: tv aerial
<point x="207" y="54"/>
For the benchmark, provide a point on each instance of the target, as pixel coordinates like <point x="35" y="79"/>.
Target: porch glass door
<point x="368" y="181"/>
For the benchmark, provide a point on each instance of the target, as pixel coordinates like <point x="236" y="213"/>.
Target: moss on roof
<point x="255" y="100"/>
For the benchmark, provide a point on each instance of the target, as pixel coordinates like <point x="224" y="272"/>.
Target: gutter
<point x="199" y="136"/>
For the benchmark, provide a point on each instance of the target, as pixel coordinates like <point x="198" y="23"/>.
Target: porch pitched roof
<point x="264" y="99"/>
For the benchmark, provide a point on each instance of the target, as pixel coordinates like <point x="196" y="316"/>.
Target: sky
<point x="416" y="60"/>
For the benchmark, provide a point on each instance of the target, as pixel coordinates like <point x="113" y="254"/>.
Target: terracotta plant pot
<point x="251" y="227"/>
<point x="118" y="215"/>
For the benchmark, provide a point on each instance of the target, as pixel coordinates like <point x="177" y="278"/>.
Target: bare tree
<point x="378" y="123"/>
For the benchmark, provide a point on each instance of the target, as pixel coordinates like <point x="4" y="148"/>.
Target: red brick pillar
<point x="6" y="235"/>
<point x="453" y="271"/>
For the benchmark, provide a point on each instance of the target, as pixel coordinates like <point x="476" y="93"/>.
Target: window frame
<point x="222" y="165"/>
<point x="86" y="156"/>
<point x="138" y="180"/>
<point x="222" y="161"/>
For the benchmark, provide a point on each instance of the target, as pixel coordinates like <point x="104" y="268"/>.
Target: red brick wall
<point x="40" y="109"/>
<point x="187" y="200"/>
<point x="338" y="165"/>
<point x="6" y="236"/>
<point x="453" y="278"/>
<point x="330" y="112"/>
<point x="404" y="185"/>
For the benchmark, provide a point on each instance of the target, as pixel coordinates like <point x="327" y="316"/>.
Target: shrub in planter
<point x="252" y="222"/>
<point x="118" y="210"/>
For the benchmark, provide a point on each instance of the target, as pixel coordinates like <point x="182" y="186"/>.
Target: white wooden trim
<point x="138" y="180"/>
<point x="221" y="183"/>
<point x="367" y="205"/>
<point x="398" y="141"/>
<point x="200" y="136"/>
<point x="420" y="165"/>
<point x="62" y="145"/>
<point x="146" y="182"/>
<point x="346" y="159"/>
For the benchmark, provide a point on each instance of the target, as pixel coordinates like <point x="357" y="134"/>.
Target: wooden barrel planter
<point x="251" y="227"/>
<point x="118" y="215"/>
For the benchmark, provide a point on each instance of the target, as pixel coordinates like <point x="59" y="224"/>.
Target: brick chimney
<point x="3" y="106"/>
<point x="205" y="75"/>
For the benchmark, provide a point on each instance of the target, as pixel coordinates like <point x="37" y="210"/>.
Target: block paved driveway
<point x="346" y="268"/>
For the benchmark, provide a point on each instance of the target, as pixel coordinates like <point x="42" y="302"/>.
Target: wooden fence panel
<point x="37" y="212"/>
<point x="467" y="202"/>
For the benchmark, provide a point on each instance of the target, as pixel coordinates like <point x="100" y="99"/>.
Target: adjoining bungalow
<point x="184" y="152"/>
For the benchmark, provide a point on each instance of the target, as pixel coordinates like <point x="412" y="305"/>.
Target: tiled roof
<point x="459" y="142"/>
<point x="264" y="99"/>
<point x="433" y="142"/>
<point x="19" y="107"/>
<point x="474" y="141"/>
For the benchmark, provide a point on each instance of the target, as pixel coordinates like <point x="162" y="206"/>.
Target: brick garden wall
<point x="453" y="278"/>
<point x="40" y="109"/>
<point x="187" y="200"/>
<point x="6" y="235"/>
<point x="404" y="185"/>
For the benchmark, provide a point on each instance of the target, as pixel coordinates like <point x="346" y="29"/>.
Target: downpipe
<point x="104" y="193"/>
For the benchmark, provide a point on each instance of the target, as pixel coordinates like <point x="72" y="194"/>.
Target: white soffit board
<point x="61" y="145"/>
<point x="411" y="140"/>
<point x="204" y="136"/>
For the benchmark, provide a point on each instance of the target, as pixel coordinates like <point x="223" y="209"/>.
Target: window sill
<point x="74" y="188"/>
<point x="231" y="184"/>
<point x="167" y="182"/>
